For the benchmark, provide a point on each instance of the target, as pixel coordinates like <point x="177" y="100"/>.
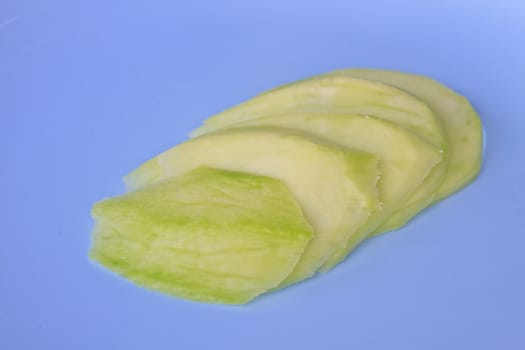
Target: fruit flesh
<point x="336" y="188"/>
<point x="405" y="159"/>
<point x="342" y="94"/>
<point x="335" y="94"/>
<point x="461" y="123"/>
<point x="210" y="235"/>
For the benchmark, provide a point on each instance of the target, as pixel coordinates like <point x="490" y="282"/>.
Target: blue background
<point x="88" y="90"/>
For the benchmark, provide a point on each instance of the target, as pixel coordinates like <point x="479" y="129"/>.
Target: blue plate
<point x="90" y="90"/>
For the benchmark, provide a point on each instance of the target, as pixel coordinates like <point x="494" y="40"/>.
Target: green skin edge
<point x="210" y="235"/>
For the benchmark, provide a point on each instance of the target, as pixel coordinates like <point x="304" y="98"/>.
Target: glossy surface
<point x="88" y="92"/>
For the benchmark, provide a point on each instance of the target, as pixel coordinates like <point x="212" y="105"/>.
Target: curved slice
<point x="461" y="122"/>
<point x="210" y="235"/>
<point x="405" y="159"/>
<point x="336" y="94"/>
<point x="336" y="188"/>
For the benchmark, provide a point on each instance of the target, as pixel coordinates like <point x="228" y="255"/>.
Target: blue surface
<point x="89" y="91"/>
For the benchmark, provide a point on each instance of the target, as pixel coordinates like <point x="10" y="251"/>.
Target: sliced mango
<point x="210" y="235"/>
<point x="461" y="122"/>
<point x="335" y="187"/>
<point x="405" y="160"/>
<point x="339" y="93"/>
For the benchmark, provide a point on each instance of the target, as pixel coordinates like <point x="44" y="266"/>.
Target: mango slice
<point x="335" y="187"/>
<point x="210" y="235"/>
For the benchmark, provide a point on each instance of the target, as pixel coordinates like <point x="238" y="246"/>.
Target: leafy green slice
<point x="210" y="235"/>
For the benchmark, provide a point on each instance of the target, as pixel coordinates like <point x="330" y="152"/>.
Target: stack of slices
<point x="287" y="184"/>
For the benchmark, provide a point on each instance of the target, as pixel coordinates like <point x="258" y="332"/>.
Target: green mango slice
<point x="335" y="94"/>
<point x="210" y="235"/>
<point x="461" y="123"/>
<point x="335" y="187"/>
<point x="339" y="93"/>
<point x="405" y="159"/>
